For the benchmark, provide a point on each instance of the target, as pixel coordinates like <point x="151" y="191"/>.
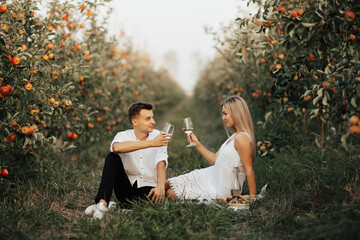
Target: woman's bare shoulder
<point x="242" y="140"/>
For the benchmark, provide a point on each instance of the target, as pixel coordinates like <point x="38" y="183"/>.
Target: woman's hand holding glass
<point x="192" y="139"/>
<point x="187" y="127"/>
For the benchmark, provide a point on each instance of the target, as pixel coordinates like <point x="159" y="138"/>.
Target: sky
<point x="173" y="32"/>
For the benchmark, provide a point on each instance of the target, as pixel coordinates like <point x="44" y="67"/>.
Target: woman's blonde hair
<point x="239" y="111"/>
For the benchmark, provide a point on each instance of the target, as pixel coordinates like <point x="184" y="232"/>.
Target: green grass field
<point x="313" y="194"/>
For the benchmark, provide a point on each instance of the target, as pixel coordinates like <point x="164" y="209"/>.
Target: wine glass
<point x="187" y="127"/>
<point x="168" y="129"/>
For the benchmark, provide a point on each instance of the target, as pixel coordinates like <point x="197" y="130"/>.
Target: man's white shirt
<point x="140" y="165"/>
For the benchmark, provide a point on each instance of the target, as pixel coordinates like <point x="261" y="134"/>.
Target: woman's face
<point x="226" y="117"/>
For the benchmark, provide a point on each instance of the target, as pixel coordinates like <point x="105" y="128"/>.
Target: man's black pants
<point x="114" y="177"/>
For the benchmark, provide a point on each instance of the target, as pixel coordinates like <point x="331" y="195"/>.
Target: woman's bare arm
<point x="243" y="147"/>
<point x="208" y="155"/>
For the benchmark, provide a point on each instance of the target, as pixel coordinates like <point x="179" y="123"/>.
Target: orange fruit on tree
<point x="349" y="16"/>
<point x="65" y="16"/>
<point x="90" y="125"/>
<point x="293" y="13"/>
<point x="49" y="46"/>
<point x="263" y="148"/>
<point x="281" y="9"/>
<point x="31" y="130"/>
<point x="12" y="137"/>
<point x="25" y="130"/>
<point x="307" y="98"/>
<point x="77" y="46"/>
<point x="28" y="86"/>
<point x="4" y="172"/>
<point x="82" y="7"/>
<point x="281" y="56"/>
<point x="51" y="55"/>
<point x="259" y="143"/>
<point x="89" y="12"/>
<point x="74" y="136"/>
<point x="311" y="57"/>
<point x="15" y="60"/>
<point x="88" y="58"/>
<point x="56" y="104"/>
<point x="354" y="120"/>
<point x="3" y="8"/>
<point x="69" y="135"/>
<point x="51" y="100"/>
<point x="300" y="12"/>
<point x="68" y="103"/>
<point x="354" y="129"/>
<point x="4" y="90"/>
<point x="46" y="57"/>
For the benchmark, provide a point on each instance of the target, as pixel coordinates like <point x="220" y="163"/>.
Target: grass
<point x="312" y="194"/>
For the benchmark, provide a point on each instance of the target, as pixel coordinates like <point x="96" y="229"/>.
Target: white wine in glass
<point x="187" y="127"/>
<point x="168" y="129"/>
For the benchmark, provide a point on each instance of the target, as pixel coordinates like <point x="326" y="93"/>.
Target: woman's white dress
<point x="214" y="181"/>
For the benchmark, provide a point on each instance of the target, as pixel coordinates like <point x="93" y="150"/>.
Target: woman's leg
<point x="170" y="193"/>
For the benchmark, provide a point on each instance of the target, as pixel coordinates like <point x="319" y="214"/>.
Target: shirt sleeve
<point x="161" y="155"/>
<point x="119" y="137"/>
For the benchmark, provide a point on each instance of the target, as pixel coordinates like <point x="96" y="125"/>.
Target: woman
<point x="237" y="151"/>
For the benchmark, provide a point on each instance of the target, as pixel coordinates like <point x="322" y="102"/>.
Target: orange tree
<point x="63" y="79"/>
<point x="309" y="50"/>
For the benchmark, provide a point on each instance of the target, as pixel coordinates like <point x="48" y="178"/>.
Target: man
<point x="136" y="165"/>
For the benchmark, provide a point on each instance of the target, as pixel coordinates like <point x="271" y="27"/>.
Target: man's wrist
<point x="160" y="183"/>
<point x="151" y="143"/>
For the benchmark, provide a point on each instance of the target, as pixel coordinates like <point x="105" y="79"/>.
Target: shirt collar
<point x="135" y="137"/>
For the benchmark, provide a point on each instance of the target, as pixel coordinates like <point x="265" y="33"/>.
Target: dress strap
<point x="247" y="135"/>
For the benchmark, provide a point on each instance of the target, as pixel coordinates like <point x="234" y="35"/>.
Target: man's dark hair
<point x="135" y="109"/>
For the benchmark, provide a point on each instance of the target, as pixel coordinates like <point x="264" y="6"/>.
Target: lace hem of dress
<point x="185" y="187"/>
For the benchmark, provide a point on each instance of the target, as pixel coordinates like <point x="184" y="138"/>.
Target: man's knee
<point x="112" y="158"/>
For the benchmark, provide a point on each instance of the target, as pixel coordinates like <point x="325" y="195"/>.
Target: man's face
<point x="144" y="121"/>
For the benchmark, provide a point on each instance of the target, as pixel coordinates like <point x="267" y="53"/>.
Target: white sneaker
<point x="100" y="211"/>
<point x="97" y="210"/>
<point x="90" y="209"/>
<point x="112" y="205"/>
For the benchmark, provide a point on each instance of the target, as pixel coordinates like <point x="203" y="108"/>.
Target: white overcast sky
<point x="161" y="26"/>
